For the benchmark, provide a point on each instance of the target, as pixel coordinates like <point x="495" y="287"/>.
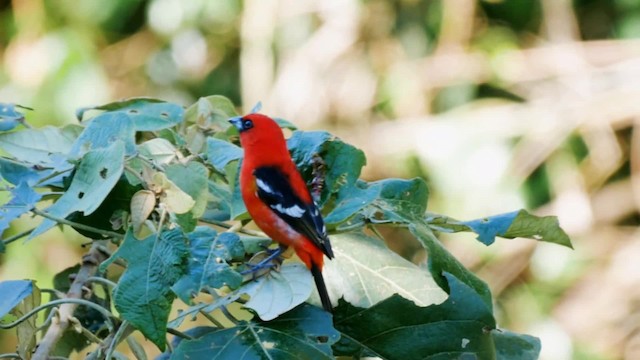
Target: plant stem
<point x="223" y="224"/>
<point x="89" y="267"/>
<point x="15" y="237"/>
<point x="106" y="233"/>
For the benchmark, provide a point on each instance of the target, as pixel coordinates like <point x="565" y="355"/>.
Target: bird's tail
<point x="322" y="288"/>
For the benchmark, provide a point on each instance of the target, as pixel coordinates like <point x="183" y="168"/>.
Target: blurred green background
<point x="498" y="104"/>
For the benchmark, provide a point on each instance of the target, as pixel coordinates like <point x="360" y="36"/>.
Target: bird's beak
<point x="237" y="122"/>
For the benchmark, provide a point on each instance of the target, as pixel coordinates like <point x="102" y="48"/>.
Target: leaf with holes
<point x="208" y="267"/>
<point x="510" y="225"/>
<point x="97" y="173"/>
<point x="304" y="330"/>
<point x="397" y="328"/>
<point x="143" y="295"/>
<point x="365" y="272"/>
<point x="147" y="114"/>
<point x="103" y="131"/>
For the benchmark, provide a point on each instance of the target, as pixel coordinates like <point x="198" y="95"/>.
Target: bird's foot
<point x="263" y="264"/>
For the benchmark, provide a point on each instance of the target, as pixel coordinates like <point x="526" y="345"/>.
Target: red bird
<point x="277" y="197"/>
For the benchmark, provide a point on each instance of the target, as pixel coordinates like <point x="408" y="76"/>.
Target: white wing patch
<point x="294" y="211"/>
<point x="264" y="187"/>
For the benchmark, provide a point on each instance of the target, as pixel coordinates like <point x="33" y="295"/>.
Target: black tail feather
<point x="322" y="288"/>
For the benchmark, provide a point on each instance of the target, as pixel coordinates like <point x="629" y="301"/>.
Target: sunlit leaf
<point x="365" y="272"/>
<point x="172" y="196"/>
<point x="142" y="204"/>
<point x="211" y="111"/>
<point x="192" y="179"/>
<point x="397" y="328"/>
<point x="158" y="150"/>
<point x="143" y="295"/>
<point x="305" y="331"/>
<point x="278" y="291"/>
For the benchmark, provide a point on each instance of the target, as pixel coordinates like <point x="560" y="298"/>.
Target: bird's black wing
<point x="275" y="190"/>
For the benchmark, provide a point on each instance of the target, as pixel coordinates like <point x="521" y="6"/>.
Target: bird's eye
<point x="247" y="124"/>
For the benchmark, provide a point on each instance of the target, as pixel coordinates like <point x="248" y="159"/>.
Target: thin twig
<point x="18" y="236"/>
<point x="106" y="233"/>
<point x="223" y="224"/>
<point x="211" y="318"/>
<point x="116" y="339"/>
<point x="179" y="333"/>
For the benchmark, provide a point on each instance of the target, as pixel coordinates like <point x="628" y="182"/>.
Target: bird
<point x="277" y="198"/>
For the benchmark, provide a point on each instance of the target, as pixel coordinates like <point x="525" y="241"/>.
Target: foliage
<point x="184" y="238"/>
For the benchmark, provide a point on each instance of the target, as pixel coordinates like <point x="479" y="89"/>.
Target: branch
<point x="77" y="225"/>
<point x="90" y="263"/>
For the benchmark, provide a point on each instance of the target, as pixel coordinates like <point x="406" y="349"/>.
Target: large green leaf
<point x="397" y="328"/>
<point x="209" y="254"/>
<point x="509" y="225"/>
<point x="36" y="146"/>
<point x="512" y="346"/>
<point x="147" y="114"/>
<point x="441" y="261"/>
<point x="97" y="174"/>
<point x="143" y="295"/>
<point x="365" y="272"/>
<point x="342" y="162"/>
<point x="305" y="332"/>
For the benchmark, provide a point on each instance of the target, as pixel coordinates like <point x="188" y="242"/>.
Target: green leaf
<point x="35" y="146"/>
<point x="285" y="124"/>
<point x="211" y="111"/>
<point x="384" y="201"/>
<point x="397" y="328"/>
<point x="513" y="346"/>
<point x="16" y="172"/>
<point x="14" y="291"/>
<point x="9" y="117"/>
<point x="97" y="174"/>
<point x="342" y="162"/>
<point x="305" y="331"/>
<point x="509" y="225"/>
<point x="103" y="131"/>
<point x="219" y="204"/>
<point x="278" y="291"/>
<point x="158" y="150"/>
<point x="238" y="209"/>
<point x="23" y="199"/>
<point x="143" y="295"/>
<point x="147" y="114"/>
<point x="209" y="254"/>
<point x="441" y="261"/>
<point x="365" y="272"/>
<point x="220" y="153"/>
<point x="192" y="179"/>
